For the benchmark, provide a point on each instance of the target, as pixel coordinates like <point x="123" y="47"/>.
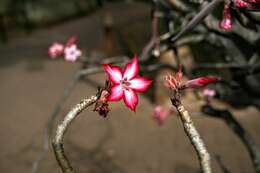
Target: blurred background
<point x="33" y="86"/>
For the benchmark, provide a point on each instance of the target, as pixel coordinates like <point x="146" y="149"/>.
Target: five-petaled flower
<point x="125" y="84"/>
<point x="72" y="53"/>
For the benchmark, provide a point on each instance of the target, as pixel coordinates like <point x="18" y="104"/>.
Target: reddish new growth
<point x="175" y="83"/>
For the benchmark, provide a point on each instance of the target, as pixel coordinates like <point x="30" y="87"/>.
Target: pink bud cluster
<point x="70" y="51"/>
<point x="175" y="82"/>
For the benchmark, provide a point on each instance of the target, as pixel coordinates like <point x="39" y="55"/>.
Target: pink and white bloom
<point x="55" y="50"/>
<point x="126" y="84"/>
<point x="72" y="53"/>
<point x="160" y="115"/>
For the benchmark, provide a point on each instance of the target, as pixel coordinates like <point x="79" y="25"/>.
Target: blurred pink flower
<point x="226" y="22"/>
<point x="209" y="92"/>
<point x="55" y="50"/>
<point x="126" y="84"/>
<point x="175" y="82"/>
<point x="160" y="115"/>
<point x="69" y="50"/>
<point x="72" y="53"/>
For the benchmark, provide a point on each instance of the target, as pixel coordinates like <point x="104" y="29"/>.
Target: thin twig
<point x="197" y="19"/>
<point x="57" y="143"/>
<point x="195" y="139"/>
<point x="221" y="164"/>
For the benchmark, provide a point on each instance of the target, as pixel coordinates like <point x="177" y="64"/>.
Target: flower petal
<point x="139" y="84"/>
<point x="116" y="93"/>
<point x="114" y="73"/>
<point x="130" y="99"/>
<point x="131" y="69"/>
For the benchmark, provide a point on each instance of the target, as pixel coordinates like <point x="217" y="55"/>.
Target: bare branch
<point x="197" y="19"/>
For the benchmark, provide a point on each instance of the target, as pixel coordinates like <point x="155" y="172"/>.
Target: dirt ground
<point x="126" y="142"/>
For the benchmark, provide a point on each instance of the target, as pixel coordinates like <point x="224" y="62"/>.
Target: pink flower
<point x="226" y="22"/>
<point x="55" y="50"/>
<point x="126" y="84"/>
<point x="69" y="50"/>
<point x="175" y="82"/>
<point x="71" y="53"/>
<point x="160" y="115"/>
<point x="209" y="92"/>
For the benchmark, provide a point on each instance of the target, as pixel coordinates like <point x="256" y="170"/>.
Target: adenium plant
<point x="125" y="84"/>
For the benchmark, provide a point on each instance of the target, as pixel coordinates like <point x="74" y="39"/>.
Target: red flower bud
<point x="226" y="22"/>
<point x="200" y="82"/>
<point x="72" y="40"/>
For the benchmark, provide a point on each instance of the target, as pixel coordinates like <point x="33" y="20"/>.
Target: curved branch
<point x="57" y="143"/>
